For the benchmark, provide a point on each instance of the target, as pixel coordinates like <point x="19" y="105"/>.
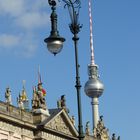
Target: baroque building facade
<point x="41" y="123"/>
<point x="17" y="123"/>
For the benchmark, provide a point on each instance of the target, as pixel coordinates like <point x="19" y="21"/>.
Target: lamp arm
<point x="73" y="8"/>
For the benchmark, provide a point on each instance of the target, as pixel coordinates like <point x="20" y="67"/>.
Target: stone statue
<point x="20" y="102"/>
<point x="87" y="130"/>
<point x="39" y="101"/>
<point x="8" y="96"/>
<point x="59" y="104"/>
<point x="62" y="103"/>
<point x="101" y="123"/>
<point x="35" y="99"/>
<point x="101" y="132"/>
<point x="101" y="118"/>
<point x="114" y="137"/>
<point x="73" y="120"/>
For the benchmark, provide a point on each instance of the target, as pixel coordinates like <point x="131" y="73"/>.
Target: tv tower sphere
<point x="94" y="88"/>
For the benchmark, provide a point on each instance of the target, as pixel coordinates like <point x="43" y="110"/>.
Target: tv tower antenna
<point x="91" y="34"/>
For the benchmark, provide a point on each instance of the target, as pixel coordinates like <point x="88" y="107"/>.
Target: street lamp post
<point x="55" y="45"/>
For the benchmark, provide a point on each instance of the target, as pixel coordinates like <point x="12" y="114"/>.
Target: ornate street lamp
<point x="54" y="41"/>
<point x="55" y="45"/>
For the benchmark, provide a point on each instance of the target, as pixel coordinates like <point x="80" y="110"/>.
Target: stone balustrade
<point x="14" y="112"/>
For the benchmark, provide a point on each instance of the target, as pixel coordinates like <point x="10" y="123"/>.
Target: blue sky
<point x="23" y="27"/>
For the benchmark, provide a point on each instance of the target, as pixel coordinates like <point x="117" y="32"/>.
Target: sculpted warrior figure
<point x="62" y="103"/>
<point x="39" y="98"/>
<point x="39" y="101"/>
<point x="8" y="96"/>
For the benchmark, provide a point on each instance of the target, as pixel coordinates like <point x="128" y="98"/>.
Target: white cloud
<point x="9" y="41"/>
<point x="25" y="14"/>
<point x="32" y="20"/>
<point x="38" y="4"/>
<point x="26" y="17"/>
<point x="21" y="45"/>
<point x="12" y="7"/>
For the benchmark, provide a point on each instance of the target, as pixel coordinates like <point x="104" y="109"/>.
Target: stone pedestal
<point x="39" y="115"/>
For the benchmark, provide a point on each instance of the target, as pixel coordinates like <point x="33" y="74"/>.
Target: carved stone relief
<point x="9" y="127"/>
<point x="59" y="124"/>
<point x="51" y="137"/>
<point x="13" y="130"/>
<point x="27" y="132"/>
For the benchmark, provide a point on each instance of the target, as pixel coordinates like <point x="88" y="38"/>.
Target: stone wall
<point x="11" y="132"/>
<point x="15" y="123"/>
<point x="48" y="136"/>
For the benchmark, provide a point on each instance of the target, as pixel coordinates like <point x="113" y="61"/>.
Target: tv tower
<point x="93" y="87"/>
